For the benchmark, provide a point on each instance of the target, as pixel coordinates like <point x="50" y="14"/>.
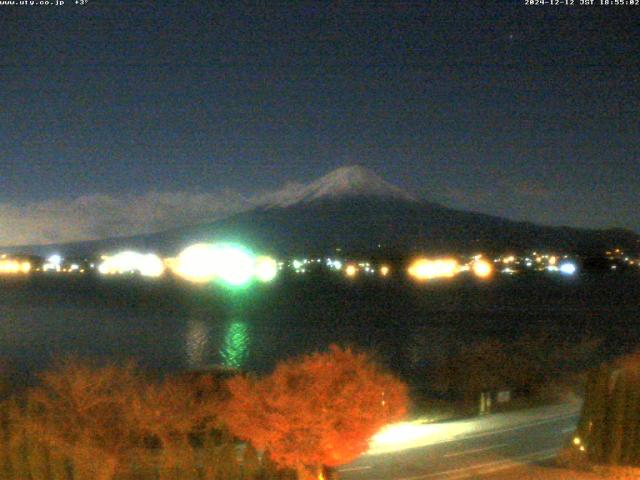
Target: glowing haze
<point x="95" y="217"/>
<point x="101" y="216"/>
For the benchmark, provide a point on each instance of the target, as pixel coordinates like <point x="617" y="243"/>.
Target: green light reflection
<point x="235" y="348"/>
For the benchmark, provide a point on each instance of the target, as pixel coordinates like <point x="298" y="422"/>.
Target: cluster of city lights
<point x="423" y="269"/>
<point x="199" y="263"/>
<point x="334" y="264"/>
<point x="303" y="265"/>
<point x="230" y="264"/>
<point x="350" y="269"/>
<point x="353" y="269"/>
<point x="53" y="264"/>
<point x="145" y="264"/>
<point x="14" y="266"/>
<point x="617" y="257"/>
<point x="234" y="265"/>
<point x="429" y="269"/>
<point x="538" y="262"/>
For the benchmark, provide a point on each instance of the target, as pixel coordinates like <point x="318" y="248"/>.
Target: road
<point x="474" y="448"/>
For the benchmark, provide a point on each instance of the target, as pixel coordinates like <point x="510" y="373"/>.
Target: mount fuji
<point x="355" y="181"/>
<point x="356" y="211"/>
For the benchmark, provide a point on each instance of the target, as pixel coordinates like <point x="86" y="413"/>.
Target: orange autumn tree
<point x="174" y="412"/>
<point x="316" y="410"/>
<point x="78" y="410"/>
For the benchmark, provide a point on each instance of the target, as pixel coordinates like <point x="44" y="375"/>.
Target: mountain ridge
<point x="347" y="181"/>
<point x="354" y="209"/>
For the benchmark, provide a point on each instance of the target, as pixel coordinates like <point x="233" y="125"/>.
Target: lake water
<point x="169" y="326"/>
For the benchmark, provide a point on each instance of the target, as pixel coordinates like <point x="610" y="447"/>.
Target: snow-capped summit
<point x="343" y="182"/>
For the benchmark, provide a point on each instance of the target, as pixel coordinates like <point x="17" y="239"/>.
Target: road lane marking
<point x="354" y="469"/>
<point x="463" y="472"/>
<point x="476" y="450"/>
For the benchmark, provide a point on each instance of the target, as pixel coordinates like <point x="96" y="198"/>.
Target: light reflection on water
<point x="197" y="343"/>
<point x="208" y="342"/>
<point x="235" y="347"/>
<point x="416" y="326"/>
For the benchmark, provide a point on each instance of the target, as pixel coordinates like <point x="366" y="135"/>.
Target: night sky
<point x="126" y="115"/>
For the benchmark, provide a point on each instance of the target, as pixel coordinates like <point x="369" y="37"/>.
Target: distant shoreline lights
<point x="424" y="269"/>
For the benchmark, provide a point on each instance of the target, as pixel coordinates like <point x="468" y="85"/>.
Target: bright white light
<point x="404" y="435"/>
<point x="14" y="266"/>
<point x="568" y="268"/>
<point x="426" y="269"/>
<point x="123" y="262"/>
<point x="482" y="268"/>
<point x="204" y="262"/>
<point x="297" y="264"/>
<point x="55" y="260"/>
<point x="150" y="265"/>
<point x="52" y="263"/>
<point x="197" y="263"/>
<point x="266" y="269"/>
<point x="234" y="265"/>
